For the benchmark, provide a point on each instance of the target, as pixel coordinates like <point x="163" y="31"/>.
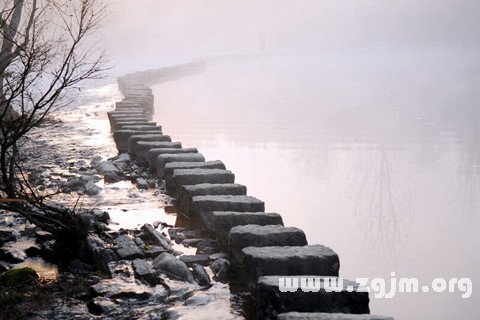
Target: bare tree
<point x="46" y="52"/>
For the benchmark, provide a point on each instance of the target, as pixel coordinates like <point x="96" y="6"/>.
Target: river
<point x="370" y="151"/>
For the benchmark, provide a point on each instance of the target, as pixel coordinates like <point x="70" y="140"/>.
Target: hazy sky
<point x="149" y="33"/>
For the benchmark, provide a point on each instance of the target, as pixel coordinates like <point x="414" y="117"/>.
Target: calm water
<point x="375" y="153"/>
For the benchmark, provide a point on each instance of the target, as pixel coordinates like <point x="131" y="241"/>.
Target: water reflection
<point x="374" y="154"/>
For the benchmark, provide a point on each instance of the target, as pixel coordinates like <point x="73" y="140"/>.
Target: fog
<point x="148" y="33"/>
<point x="356" y="120"/>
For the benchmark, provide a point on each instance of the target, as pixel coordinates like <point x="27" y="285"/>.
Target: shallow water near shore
<point x="372" y="152"/>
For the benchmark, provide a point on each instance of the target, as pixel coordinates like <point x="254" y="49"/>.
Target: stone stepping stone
<point x="163" y="159"/>
<point x="171" y="166"/>
<point x="140" y="149"/>
<point x="187" y="192"/>
<point x="253" y="235"/>
<point x="126" y="103"/>
<point x="133" y="140"/>
<point x="309" y="260"/>
<point x="184" y="177"/>
<point x="126" y="113"/>
<point x="121" y="124"/>
<point x="204" y="206"/>
<point x="124" y="116"/>
<point x="121" y="117"/>
<point x="223" y="221"/>
<point x="329" y="316"/>
<point x="121" y="136"/>
<point x="143" y="128"/>
<point x="147" y="109"/>
<point x="155" y="152"/>
<point x="270" y="301"/>
<point x="129" y="112"/>
<point x="207" y="189"/>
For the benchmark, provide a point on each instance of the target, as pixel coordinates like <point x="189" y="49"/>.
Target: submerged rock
<point x="201" y="275"/>
<point x="172" y="267"/>
<point x="110" y="173"/>
<point x="121" y="289"/>
<point x="199" y="299"/>
<point x="142" y="184"/>
<point x="92" y="189"/>
<point x="101" y="305"/>
<point x="6" y="236"/>
<point x="220" y="268"/>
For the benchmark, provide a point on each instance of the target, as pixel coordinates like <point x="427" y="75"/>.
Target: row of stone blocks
<point x="262" y="250"/>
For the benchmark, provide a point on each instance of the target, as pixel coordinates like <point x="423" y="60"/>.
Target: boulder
<point x="142" y="184"/>
<point x="223" y="221"/>
<point x="92" y="189"/>
<point x="272" y="299"/>
<point x="120" y="269"/>
<point x="154" y="153"/>
<point x="307" y="260"/>
<point x="123" y="160"/>
<point x="110" y="173"/>
<point x="190" y="260"/>
<point x="329" y="316"/>
<point x="126" y="248"/>
<point x="163" y="159"/>
<point x="154" y="251"/>
<point x="172" y="267"/>
<point x="253" y="235"/>
<point x="221" y="269"/>
<point x="156" y="237"/>
<point x="144" y="272"/>
<point x="203" y="206"/>
<point x="191" y="242"/>
<point x="170" y="167"/>
<point x="201" y="276"/>
<point x="98" y="252"/>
